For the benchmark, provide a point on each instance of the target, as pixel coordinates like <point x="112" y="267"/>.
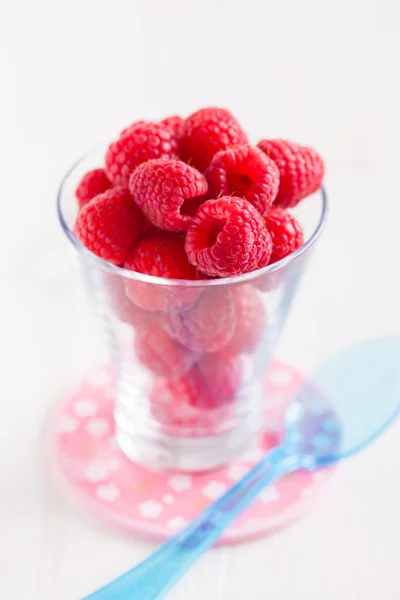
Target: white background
<point x="74" y="73"/>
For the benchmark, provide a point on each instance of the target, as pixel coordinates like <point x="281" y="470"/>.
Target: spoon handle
<point x="151" y="579"/>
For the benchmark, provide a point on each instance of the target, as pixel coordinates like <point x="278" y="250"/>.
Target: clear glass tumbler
<point x="190" y="356"/>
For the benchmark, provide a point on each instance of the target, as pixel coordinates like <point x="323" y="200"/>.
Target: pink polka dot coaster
<point x="156" y="505"/>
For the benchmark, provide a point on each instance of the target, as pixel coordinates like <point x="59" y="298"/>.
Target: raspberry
<point x="301" y="170"/>
<point x="160" y="254"/>
<point x="92" y="184"/>
<point x="132" y="127"/>
<point x="108" y="225"/>
<point x="124" y="309"/>
<point x="174" y="123"/>
<point x="159" y="353"/>
<point x="116" y="297"/>
<point x="208" y="325"/>
<point x="246" y="172"/>
<point x="251" y="321"/>
<point x="169" y="192"/>
<point x="171" y="406"/>
<point x="286" y="232"/>
<point x="214" y="382"/>
<point x="140" y="142"/>
<point x="227" y="236"/>
<point x="207" y="131"/>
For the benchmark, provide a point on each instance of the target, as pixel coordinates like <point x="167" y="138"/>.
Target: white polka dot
<point x="96" y="472"/>
<point x="150" y="509"/>
<point x="68" y="425"/>
<point x="168" y="499"/>
<point x="109" y="492"/>
<point x="97" y="427"/>
<point x="85" y="407"/>
<point x="176" y="523"/>
<point x="214" y="489"/>
<point x="180" y="483"/>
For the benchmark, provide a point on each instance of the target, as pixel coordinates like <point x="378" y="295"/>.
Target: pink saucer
<point x="156" y="505"/>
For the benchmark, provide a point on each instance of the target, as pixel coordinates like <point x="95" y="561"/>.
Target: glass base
<point x="164" y="452"/>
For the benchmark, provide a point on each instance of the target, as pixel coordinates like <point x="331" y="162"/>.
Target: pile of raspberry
<point x="200" y="182"/>
<point x="192" y="199"/>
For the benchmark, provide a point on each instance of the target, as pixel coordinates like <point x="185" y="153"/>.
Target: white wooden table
<point x="75" y="72"/>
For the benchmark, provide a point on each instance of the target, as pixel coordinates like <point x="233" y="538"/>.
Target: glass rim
<point x="153" y="279"/>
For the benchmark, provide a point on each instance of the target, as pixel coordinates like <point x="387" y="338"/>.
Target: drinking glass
<point x="190" y="356"/>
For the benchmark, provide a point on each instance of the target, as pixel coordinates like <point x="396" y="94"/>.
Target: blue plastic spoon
<point x="350" y="399"/>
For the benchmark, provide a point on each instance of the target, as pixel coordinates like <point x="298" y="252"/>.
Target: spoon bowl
<point x="351" y="399"/>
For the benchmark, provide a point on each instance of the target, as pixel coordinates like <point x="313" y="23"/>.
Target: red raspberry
<point x="159" y="353"/>
<point x="208" y="325"/>
<point x="174" y="123"/>
<point x="160" y="254"/>
<point x="227" y="236"/>
<point x="246" y="172"/>
<point x="170" y="402"/>
<point x="108" y="225"/>
<point x="142" y="142"/>
<point x="301" y="170"/>
<point x="286" y="233"/>
<point x="251" y="321"/>
<point x="132" y="127"/>
<point x="213" y="382"/>
<point x="116" y="297"/>
<point x="207" y="131"/>
<point x="92" y="184"/>
<point x="169" y="192"/>
<point x="124" y="309"/>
